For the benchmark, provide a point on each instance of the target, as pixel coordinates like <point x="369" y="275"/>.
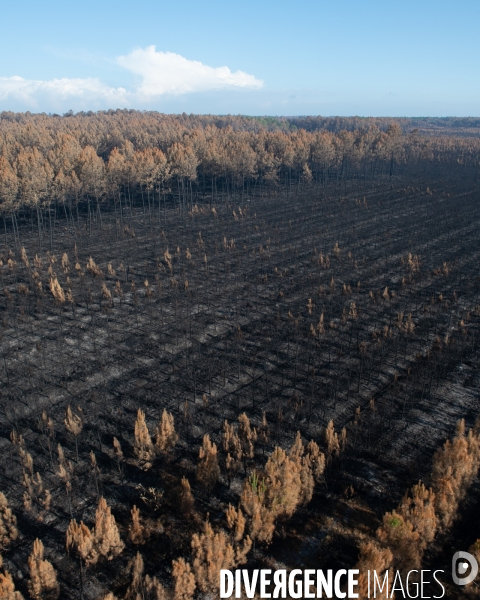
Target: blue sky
<point x="342" y="57"/>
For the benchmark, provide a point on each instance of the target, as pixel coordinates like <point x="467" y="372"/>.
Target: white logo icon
<point x="462" y="567"/>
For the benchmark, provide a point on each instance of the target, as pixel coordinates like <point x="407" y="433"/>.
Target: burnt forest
<point x="235" y="342"/>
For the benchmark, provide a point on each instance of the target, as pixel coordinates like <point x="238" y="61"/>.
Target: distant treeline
<point x="428" y="125"/>
<point x="123" y="156"/>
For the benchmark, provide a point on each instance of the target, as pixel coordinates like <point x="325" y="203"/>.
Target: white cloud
<point x="160" y="73"/>
<point x="169" y="73"/>
<point x="32" y="92"/>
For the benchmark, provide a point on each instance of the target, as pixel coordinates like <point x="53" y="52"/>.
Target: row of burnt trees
<point x="64" y="285"/>
<point x="43" y="168"/>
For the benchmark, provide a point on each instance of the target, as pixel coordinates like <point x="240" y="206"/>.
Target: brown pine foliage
<point x="9" y="184"/>
<point x="8" y="524"/>
<point x="246" y="435"/>
<point x="137" y="533"/>
<point x="43" y="584"/>
<point x="65" y="469"/>
<point x="283" y="483"/>
<point x="288" y="482"/>
<point x="331" y="440"/>
<point x="186" y="499"/>
<point x="236" y="522"/>
<point x="117" y="449"/>
<point x="81" y="539"/>
<point x="32" y="482"/>
<point x="65" y="263"/>
<point x="408" y="530"/>
<point x="143" y="447"/>
<point x="184" y="586"/>
<point x="57" y="291"/>
<point x="104" y="540"/>
<point x="74" y="425"/>
<point x="261" y="518"/>
<point x="418" y="507"/>
<point x="24" y="257"/>
<point x="154" y="590"/>
<point x="305" y="468"/>
<point x="166" y="436"/>
<point x="374" y="558"/>
<point x="297" y="450"/>
<point x="399" y="535"/>
<point x="106" y="293"/>
<point x="211" y="552"/>
<point x="73" y="422"/>
<point x="143" y="588"/>
<point x="317" y="460"/>
<point x="7" y="587"/>
<point x="454" y="467"/>
<point x="208" y="470"/>
<point x="264" y="431"/>
<point x="231" y="442"/>
<point x="135" y="589"/>
<point x="107" y="536"/>
<point x="93" y="268"/>
<point x="307" y="480"/>
<point x="475" y="550"/>
<point x="233" y="448"/>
